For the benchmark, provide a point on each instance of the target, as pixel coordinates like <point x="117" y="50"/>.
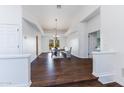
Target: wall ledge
<point x="103" y="52"/>
<point x="8" y="56"/>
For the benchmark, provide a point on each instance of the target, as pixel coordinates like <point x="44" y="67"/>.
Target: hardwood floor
<point x="90" y="83"/>
<point x="46" y="71"/>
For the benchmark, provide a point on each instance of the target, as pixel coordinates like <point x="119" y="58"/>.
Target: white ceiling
<point x="46" y="15"/>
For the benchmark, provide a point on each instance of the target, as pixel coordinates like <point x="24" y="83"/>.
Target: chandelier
<point x="56" y="29"/>
<point x="56" y="41"/>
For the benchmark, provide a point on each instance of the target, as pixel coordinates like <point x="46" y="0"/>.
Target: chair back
<point x="69" y="52"/>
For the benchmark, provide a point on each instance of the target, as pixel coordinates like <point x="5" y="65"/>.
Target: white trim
<point x="14" y="56"/>
<point x="78" y="56"/>
<point x="105" y="78"/>
<point x="95" y="74"/>
<point x="32" y="20"/>
<point x="120" y="83"/>
<point x="103" y="52"/>
<point x="8" y="84"/>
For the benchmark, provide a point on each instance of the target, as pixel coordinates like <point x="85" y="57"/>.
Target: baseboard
<point x="120" y="83"/>
<point x="105" y="78"/>
<point x="95" y="74"/>
<point x="75" y="56"/>
<point x="7" y="84"/>
<point x="80" y="57"/>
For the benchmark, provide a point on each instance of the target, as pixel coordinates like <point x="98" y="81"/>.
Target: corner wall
<point x="29" y="38"/>
<point x="80" y="31"/>
<point x="112" y="35"/>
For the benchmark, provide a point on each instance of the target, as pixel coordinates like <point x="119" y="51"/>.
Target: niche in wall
<point x="93" y="42"/>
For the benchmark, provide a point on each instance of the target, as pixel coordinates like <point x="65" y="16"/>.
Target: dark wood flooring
<point x="89" y="83"/>
<point x="63" y="72"/>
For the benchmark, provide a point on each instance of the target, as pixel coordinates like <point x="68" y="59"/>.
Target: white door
<point x="9" y="39"/>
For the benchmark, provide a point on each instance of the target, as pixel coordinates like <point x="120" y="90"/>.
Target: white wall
<point x="112" y="30"/>
<point x="10" y="21"/>
<point x="14" y="67"/>
<point x="15" y="70"/>
<point x="82" y="28"/>
<point x="83" y="15"/>
<point x="38" y="33"/>
<point x="88" y="10"/>
<point x="83" y="40"/>
<point x="33" y="19"/>
<point x="29" y="38"/>
<point x="10" y="14"/>
<point x="112" y="36"/>
<point x="80" y="41"/>
<point x="103" y="66"/>
<point x="73" y="41"/>
<point x="45" y="43"/>
<point x="93" y="24"/>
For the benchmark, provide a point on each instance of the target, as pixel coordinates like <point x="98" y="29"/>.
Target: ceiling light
<point x="58" y="6"/>
<point x="56" y="26"/>
<point x="56" y="19"/>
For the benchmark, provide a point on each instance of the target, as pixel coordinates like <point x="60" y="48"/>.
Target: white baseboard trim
<point x="121" y="83"/>
<point x="95" y="74"/>
<point x="105" y="78"/>
<point x="8" y="84"/>
<point x="79" y="56"/>
<point x="75" y="55"/>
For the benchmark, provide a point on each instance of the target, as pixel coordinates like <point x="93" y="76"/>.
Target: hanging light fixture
<point x="56" y="28"/>
<point x="55" y="44"/>
<point x="58" y="6"/>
